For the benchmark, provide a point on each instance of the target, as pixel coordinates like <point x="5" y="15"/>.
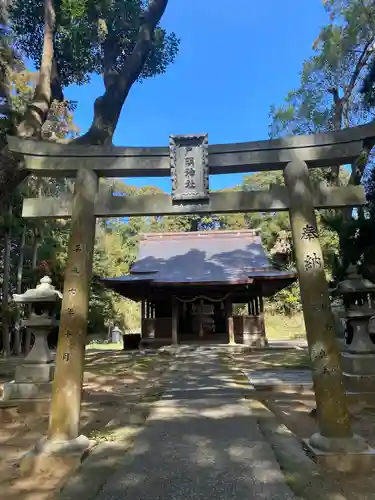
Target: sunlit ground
<point x="105" y="347"/>
<point x="285" y="327"/>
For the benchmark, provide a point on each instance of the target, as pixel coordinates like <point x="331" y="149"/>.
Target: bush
<point x="286" y="302"/>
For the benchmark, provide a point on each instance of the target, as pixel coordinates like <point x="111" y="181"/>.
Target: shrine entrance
<point x="189" y="160"/>
<point x="189" y="282"/>
<point x="201" y="319"/>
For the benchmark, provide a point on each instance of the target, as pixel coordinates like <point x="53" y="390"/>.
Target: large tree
<point x="328" y="97"/>
<point x="12" y="172"/>
<point x="121" y="40"/>
<point x="69" y="41"/>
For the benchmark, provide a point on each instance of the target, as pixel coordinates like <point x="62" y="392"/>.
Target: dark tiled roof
<point x="202" y="257"/>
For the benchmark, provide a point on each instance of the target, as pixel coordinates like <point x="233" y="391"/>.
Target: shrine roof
<point x="211" y="257"/>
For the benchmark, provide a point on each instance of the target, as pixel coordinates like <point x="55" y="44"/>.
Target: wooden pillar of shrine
<point x="153" y="320"/>
<point x="332" y="410"/>
<point x="261" y="317"/>
<point x="230" y="323"/>
<point x="67" y="385"/>
<point x="174" y="321"/>
<point x="249" y="308"/>
<point x="201" y="318"/>
<point x="256" y="306"/>
<point x="143" y="317"/>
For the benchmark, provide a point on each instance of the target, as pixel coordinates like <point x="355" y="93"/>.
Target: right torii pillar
<point x="336" y="445"/>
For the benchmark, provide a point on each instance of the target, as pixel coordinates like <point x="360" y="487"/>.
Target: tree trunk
<point x="17" y="326"/>
<point x="34" y="258"/>
<point x="194" y="224"/>
<point x="5" y="290"/>
<point x="107" y="108"/>
<point x="37" y="111"/>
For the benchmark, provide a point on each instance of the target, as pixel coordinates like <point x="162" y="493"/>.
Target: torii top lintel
<point x="318" y="150"/>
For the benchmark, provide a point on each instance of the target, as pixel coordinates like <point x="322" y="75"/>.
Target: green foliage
<point x="20" y="90"/>
<point x="91" y="36"/>
<point x="361" y="239"/>
<point x="358" y="18"/>
<point x="329" y="98"/>
<point x="286" y="302"/>
<point x="332" y="76"/>
<point x="368" y="87"/>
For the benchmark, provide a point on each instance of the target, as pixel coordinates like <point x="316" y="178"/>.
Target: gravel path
<point x="200" y="442"/>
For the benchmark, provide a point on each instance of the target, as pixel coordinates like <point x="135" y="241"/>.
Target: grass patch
<point x="285" y="327"/>
<point x="102" y="436"/>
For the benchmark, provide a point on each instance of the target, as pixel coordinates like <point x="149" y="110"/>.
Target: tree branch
<point x="361" y="62"/>
<point x="107" y="108"/>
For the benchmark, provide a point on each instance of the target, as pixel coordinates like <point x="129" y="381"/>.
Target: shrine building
<point x="190" y="284"/>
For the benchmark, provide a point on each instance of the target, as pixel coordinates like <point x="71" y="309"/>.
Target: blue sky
<point x="235" y="60"/>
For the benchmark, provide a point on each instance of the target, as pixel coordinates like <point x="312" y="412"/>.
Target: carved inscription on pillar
<point x="309" y="232"/>
<point x="189" y="167"/>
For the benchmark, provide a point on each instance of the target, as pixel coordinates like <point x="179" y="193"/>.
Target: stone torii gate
<point x="189" y="160"/>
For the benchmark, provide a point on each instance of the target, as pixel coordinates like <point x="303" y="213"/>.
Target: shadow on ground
<point x="114" y="384"/>
<point x="200" y="441"/>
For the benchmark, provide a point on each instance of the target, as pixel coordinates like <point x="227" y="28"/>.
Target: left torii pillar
<point x="64" y="422"/>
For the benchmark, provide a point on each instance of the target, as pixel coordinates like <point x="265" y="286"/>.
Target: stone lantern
<point x="33" y="378"/>
<point x="358" y="355"/>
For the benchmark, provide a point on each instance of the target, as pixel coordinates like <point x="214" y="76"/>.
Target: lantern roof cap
<point x="354" y="282"/>
<point x="43" y="292"/>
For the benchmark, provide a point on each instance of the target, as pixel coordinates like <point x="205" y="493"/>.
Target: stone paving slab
<point x="280" y="378"/>
<point x="200" y="442"/>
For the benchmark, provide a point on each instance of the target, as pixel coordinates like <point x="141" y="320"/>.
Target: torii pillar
<point x="67" y="386"/>
<point x="336" y="441"/>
